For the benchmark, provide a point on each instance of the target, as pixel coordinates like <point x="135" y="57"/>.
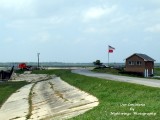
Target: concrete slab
<point x="30" y="77"/>
<point x="57" y="99"/>
<point x="16" y="107"/>
<point x="51" y="98"/>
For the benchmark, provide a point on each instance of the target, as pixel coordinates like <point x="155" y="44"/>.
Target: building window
<point x="131" y="62"/>
<point x="134" y="63"/>
<point x="139" y="63"/>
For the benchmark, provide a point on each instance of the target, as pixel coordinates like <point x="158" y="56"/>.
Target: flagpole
<point x="108" y="58"/>
<point x="110" y="50"/>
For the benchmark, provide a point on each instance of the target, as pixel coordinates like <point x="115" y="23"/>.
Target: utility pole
<point x="38" y="58"/>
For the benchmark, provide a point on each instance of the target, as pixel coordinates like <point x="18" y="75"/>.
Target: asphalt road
<point x="141" y="81"/>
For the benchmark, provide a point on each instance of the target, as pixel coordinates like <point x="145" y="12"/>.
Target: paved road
<point x="142" y="81"/>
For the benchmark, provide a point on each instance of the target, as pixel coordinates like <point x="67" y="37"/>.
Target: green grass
<point x="117" y="72"/>
<point x="121" y="72"/>
<point x="7" y="88"/>
<point x="112" y="95"/>
<point x="157" y="71"/>
<point x="108" y="70"/>
<point x="19" y="71"/>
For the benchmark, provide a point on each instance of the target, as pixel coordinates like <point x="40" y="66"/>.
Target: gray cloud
<point x="72" y="28"/>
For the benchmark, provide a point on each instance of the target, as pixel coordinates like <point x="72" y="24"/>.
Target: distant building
<point x="140" y="63"/>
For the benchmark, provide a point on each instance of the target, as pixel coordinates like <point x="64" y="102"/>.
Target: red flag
<point x="110" y="49"/>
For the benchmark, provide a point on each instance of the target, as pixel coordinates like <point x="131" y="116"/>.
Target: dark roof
<point x="143" y="56"/>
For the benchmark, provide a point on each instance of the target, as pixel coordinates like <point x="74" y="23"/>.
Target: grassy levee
<point x="118" y="97"/>
<point x="7" y="88"/>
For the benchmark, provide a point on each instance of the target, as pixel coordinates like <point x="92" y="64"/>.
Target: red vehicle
<point x="23" y="66"/>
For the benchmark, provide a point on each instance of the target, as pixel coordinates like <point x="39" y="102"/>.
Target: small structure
<point x="140" y="63"/>
<point x="6" y="75"/>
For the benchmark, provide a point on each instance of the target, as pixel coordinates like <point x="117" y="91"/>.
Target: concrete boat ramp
<point x="46" y="98"/>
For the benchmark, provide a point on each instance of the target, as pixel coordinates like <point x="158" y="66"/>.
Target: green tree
<point x="97" y="63"/>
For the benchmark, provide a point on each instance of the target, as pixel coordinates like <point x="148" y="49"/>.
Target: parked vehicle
<point x="23" y="66"/>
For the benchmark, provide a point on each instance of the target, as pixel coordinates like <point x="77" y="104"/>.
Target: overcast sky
<point x="78" y="30"/>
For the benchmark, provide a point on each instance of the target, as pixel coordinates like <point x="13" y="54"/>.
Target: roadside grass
<point x="118" y="97"/>
<point x="157" y="71"/>
<point x="115" y="71"/>
<point x="19" y="71"/>
<point x="7" y="88"/>
<point x="107" y="70"/>
<point x="122" y="72"/>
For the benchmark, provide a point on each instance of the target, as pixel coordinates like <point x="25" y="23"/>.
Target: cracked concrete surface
<point x="16" y="107"/>
<point x="51" y="98"/>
